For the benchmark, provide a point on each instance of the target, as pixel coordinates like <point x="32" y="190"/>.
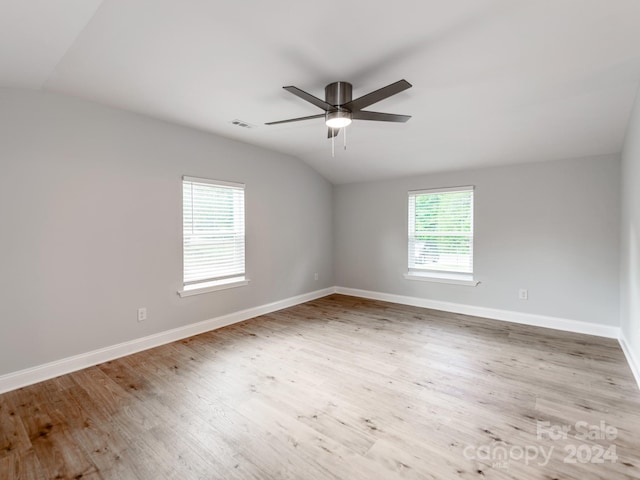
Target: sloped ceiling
<point x="494" y="82"/>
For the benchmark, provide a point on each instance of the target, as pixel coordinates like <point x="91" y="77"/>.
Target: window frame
<point x="221" y="282"/>
<point x="434" y="274"/>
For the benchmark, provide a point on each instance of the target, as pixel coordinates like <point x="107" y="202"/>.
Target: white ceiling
<point x="494" y="82"/>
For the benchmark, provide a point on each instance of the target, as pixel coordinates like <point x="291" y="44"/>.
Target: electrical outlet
<point x="142" y="314"/>
<point x="523" y="294"/>
<point x="315" y="276"/>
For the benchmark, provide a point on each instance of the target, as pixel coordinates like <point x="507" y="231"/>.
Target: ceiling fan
<point x="340" y="109"/>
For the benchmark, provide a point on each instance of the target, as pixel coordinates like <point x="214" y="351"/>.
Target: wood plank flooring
<point x="337" y="388"/>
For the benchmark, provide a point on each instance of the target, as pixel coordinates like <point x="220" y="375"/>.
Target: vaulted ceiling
<point x="494" y="81"/>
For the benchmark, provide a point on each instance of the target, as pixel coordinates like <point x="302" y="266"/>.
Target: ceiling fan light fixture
<point x="338" y="119"/>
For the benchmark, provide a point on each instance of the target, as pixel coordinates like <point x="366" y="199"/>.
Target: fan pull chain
<point x="333" y="146"/>
<point x="345" y="137"/>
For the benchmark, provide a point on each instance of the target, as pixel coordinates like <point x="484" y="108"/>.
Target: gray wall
<point x="630" y="237"/>
<point x="90" y="211"/>
<point x="552" y="228"/>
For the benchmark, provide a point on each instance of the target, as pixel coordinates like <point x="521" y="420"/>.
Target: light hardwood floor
<point x="337" y="388"/>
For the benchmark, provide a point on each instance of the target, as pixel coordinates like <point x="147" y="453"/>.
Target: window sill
<point x="451" y="278"/>
<point x="207" y="287"/>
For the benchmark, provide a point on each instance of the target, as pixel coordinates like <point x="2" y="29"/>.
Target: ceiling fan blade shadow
<point x="437" y="38"/>
<point x="310" y="67"/>
<point x="377" y="95"/>
<point x="320" y="115"/>
<point x="380" y="117"/>
<point x="332" y="132"/>
<point x="310" y="98"/>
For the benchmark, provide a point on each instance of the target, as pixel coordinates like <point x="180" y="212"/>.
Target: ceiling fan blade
<point x="380" y="117"/>
<point x="320" y="115"/>
<point x="376" y="96"/>
<point x="332" y="132"/>
<point x="310" y="98"/>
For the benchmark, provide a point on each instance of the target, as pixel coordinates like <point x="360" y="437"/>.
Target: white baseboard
<point x="632" y="360"/>
<point x="493" y="313"/>
<point x="29" y="376"/>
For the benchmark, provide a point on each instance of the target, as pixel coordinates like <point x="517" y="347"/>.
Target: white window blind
<point x="441" y="230"/>
<point x="213" y="230"/>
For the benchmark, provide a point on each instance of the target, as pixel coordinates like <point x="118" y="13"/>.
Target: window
<point x="213" y="235"/>
<point x="441" y="234"/>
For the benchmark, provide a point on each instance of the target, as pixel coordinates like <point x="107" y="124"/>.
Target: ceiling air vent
<point x="242" y="123"/>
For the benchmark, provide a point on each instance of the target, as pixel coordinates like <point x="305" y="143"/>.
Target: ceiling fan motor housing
<point x="338" y="93"/>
